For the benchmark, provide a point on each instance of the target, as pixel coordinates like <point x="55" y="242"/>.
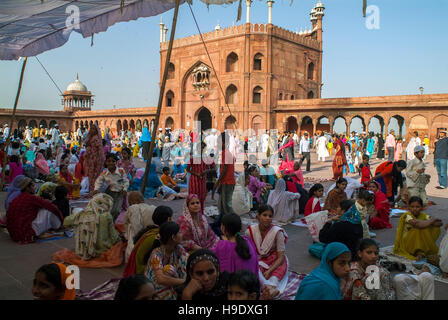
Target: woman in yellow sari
<point x="417" y="232"/>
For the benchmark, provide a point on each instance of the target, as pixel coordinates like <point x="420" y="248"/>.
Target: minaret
<point x="319" y="9"/>
<point x="248" y="4"/>
<point x="162" y="26"/>
<point x="313" y="17"/>
<point x="270" y="3"/>
<point x="165" y="30"/>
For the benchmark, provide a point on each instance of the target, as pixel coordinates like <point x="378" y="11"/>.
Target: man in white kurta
<point x="322" y="151"/>
<point x="416" y="178"/>
<point x="410" y="149"/>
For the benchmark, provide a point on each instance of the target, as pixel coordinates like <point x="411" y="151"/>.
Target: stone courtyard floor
<point x="18" y="263"/>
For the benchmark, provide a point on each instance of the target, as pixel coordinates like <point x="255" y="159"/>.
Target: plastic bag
<point x="315" y="222"/>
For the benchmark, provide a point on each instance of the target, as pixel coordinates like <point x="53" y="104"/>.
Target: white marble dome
<point x="76" y="86"/>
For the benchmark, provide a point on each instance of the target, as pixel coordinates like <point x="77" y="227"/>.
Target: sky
<point x="121" y="69"/>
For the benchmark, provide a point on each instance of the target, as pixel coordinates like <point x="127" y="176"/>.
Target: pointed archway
<point x="205" y="117"/>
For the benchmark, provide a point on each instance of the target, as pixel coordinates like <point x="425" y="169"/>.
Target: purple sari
<point x="230" y="260"/>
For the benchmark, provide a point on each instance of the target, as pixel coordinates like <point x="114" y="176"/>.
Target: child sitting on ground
<point x="168" y="181"/>
<point x="243" y="285"/>
<point x="116" y="183"/>
<point x="354" y="285"/>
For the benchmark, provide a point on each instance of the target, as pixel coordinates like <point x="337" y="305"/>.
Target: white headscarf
<point x="282" y="202"/>
<point x="241" y="198"/>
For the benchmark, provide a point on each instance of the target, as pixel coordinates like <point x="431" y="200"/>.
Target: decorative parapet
<point x="380" y="102"/>
<point x="256" y="28"/>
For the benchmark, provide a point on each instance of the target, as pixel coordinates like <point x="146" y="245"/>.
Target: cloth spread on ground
<point x="386" y="253"/>
<point x="111" y="258"/>
<point x="105" y="291"/>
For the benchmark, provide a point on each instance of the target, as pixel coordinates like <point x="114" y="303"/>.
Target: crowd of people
<point x="194" y="258"/>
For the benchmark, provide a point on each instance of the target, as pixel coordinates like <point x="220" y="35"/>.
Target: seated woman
<point x="354" y="285"/>
<point x="135" y="287"/>
<point x="94" y="227"/>
<point x="179" y="174"/>
<point x="284" y="203"/>
<point x="13" y="190"/>
<point x="167" y="264"/>
<point x="152" y="184"/>
<point x="47" y="191"/>
<point x="336" y="195"/>
<point x="25" y="220"/>
<point x="256" y="186"/>
<point x="204" y="280"/>
<point x="242" y="199"/>
<point x="66" y="179"/>
<point x="270" y="241"/>
<point x="195" y="230"/>
<point x="388" y="174"/>
<point x="236" y="251"/>
<point x="324" y="282"/>
<point x="137" y="217"/>
<point x="50" y="283"/>
<point x="344" y="227"/>
<point x="296" y="173"/>
<point x="41" y="164"/>
<point x="417" y="232"/>
<point x="313" y="204"/>
<point x="61" y="201"/>
<point x="382" y="207"/>
<point x="144" y="240"/>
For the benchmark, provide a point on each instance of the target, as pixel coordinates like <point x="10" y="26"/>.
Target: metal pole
<point x="11" y="132"/>
<point x="161" y="93"/>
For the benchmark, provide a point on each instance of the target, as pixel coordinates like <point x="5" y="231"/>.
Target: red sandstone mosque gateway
<point x="271" y="78"/>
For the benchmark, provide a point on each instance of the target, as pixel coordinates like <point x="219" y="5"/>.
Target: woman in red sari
<point x="94" y="156"/>
<point x="382" y="207"/>
<point x="388" y="175"/>
<point x="339" y="158"/>
<point x="198" y="179"/>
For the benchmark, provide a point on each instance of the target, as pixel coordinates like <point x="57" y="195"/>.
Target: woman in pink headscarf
<point x="94" y="156"/>
<point x="194" y="227"/>
<point x="41" y="164"/>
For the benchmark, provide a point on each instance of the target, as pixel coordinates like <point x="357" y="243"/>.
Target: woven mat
<point x="105" y="291"/>
<point x="294" y="280"/>
<point x="387" y="253"/>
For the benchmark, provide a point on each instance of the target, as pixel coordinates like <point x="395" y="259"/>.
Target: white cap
<point x="419" y="148"/>
<point x="160" y="129"/>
